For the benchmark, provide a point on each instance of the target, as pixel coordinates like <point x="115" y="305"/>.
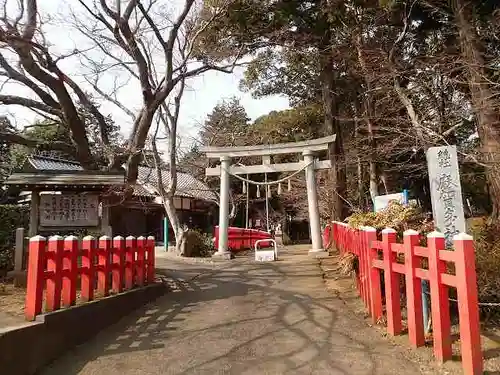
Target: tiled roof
<point x="53" y="164"/>
<point x="187" y="185"/>
<point x="141" y="191"/>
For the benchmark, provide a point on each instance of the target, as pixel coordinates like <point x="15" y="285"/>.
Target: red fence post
<point x="70" y="270"/>
<point x="374" y="276"/>
<point x="88" y="268"/>
<point x="118" y="264"/>
<point x="103" y="277"/>
<point x="54" y="268"/>
<point x="470" y="337"/>
<point x="391" y="278"/>
<point x="343" y="238"/>
<point x="340" y="238"/>
<point x="151" y="259"/>
<point x="366" y="262"/>
<point x="362" y="266"/>
<point x="413" y="290"/>
<point x="35" y="278"/>
<point x="131" y="245"/>
<point x="440" y="308"/>
<point x="141" y="261"/>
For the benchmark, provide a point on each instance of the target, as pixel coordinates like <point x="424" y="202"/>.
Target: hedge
<point x="11" y="218"/>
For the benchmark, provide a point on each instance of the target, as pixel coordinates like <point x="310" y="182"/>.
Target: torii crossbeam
<point x="310" y="164"/>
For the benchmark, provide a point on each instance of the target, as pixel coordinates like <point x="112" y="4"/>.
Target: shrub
<point x="487" y="241"/>
<point x="396" y="216"/>
<point x="198" y="244"/>
<point x="11" y="218"/>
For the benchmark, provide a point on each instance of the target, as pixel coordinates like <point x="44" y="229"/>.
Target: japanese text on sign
<point x="69" y="210"/>
<point x="446" y="192"/>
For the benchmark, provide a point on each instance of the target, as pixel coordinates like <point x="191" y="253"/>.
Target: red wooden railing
<point x="374" y="256"/>
<point x="114" y="265"/>
<point x="241" y="238"/>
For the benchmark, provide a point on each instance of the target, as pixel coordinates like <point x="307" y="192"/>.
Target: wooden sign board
<point x="69" y="210"/>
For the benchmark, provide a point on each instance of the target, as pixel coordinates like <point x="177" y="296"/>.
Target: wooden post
<point x="119" y="264"/>
<point x="36" y="277"/>
<point x="359" y="243"/>
<point x="413" y="290"/>
<point x="150" y="259"/>
<point x="366" y="268"/>
<point x="103" y="279"/>
<point x="19" y="250"/>
<point x="131" y="245"/>
<point x="374" y="276"/>
<point x="70" y="269"/>
<point x="105" y="227"/>
<point x="391" y="278"/>
<point x="440" y="309"/>
<point x="470" y="336"/>
<point x="141" y="261"/>
<point x="54" y="268"/>
<point x="34" y="213"/>
<point x="88" y="268"/>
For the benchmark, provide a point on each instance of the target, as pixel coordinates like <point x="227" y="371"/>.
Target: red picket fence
<point x="241" y="238"/>
<point x="374" y="256"/>
<point x="114" y="265"/>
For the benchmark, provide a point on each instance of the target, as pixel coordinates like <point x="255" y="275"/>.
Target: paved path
<point x="241" y="318"/>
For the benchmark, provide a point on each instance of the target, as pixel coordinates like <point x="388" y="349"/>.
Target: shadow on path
<point x="270" y="318"/>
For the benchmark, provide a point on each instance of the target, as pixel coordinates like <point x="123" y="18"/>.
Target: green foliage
<point x="198" y="244"/>
<point x="288" y="71"/>
<point x="11" y="218"/>
<point x="226" y="125"/>
<point x="44" y="130"/>
<point x="291" y="125"/>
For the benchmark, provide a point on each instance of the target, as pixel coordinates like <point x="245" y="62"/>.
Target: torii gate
<point x="310" y="164"/>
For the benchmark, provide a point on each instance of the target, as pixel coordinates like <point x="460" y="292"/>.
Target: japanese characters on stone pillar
<point x="446" y="191"/>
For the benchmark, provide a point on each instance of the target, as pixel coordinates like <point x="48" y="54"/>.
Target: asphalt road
<point x="241" y="318"/>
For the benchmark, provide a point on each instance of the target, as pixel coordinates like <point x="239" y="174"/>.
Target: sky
<point x="202" y="94"/>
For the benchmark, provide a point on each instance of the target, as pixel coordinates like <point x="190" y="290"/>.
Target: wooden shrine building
<point x="66" y="199"/>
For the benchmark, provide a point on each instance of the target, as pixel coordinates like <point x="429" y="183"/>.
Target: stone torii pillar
<point x="309" y="164"/>
<point x="222" y="251"/>
<point x="312" y="201"/>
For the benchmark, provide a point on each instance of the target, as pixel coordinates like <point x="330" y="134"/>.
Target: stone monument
<point x="446" y="191"/>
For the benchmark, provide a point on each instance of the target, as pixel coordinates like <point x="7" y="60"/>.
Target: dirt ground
<point x="11" y="304"/>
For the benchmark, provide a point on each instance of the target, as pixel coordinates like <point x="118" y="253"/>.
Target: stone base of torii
<point x="310" y="164"/>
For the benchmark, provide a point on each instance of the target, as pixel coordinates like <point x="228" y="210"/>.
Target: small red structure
<point x="374" y="256"/>
<point x="240" y="238"/>
<point x="114" y="265"/>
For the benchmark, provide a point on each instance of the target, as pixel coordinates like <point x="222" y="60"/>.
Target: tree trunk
<point x="483" y="99"/>
<point x="179" y="231"/>
<point x="357" y="137"/>
<point x="332" y="126"/>
<point x="369" y="115"/>
<point x="137" y="142"/>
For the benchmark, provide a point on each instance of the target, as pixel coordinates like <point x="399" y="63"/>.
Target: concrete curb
<point x="28" y="347"/>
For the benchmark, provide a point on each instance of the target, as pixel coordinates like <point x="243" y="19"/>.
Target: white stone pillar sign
<point x="446" y="191"/>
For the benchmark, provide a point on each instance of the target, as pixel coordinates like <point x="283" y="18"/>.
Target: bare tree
<point x="135" y="39"/>
<point x="135" y="44"/>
